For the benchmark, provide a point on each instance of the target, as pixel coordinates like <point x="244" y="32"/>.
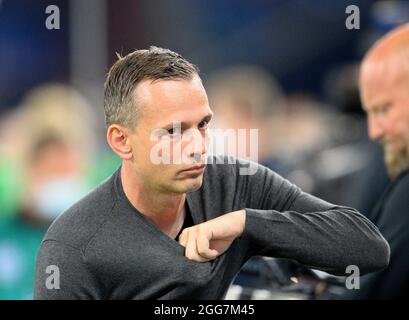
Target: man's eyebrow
<point x="377" y="106"/>
<point x="385" y="104"/>
<point x="207" y="118"/>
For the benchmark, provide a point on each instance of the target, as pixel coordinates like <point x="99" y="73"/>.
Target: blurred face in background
<point x="163" y="103"/>
<point x="245" y="98"/>
<point x="384" y="84"/>
<point x="54" y="180"/>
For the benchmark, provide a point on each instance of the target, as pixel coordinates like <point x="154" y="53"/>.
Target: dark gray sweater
<point x="105" y="249"/>
<point x="391" y="215"/>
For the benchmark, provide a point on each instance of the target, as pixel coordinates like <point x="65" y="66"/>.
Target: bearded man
<point x="384" y="85"/>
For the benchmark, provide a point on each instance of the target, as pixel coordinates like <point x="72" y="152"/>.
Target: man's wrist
<point x="240" y="218"/>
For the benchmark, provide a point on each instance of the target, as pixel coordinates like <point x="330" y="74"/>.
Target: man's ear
<point x="118" y="140"/>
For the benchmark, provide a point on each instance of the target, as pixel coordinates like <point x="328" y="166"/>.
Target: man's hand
<point x="208" y="240"/>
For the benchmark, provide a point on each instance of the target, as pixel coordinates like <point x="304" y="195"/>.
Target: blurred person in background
<point x="9" y="177"/>
<point x="365" y="181"/>
<point x="247" y="97"/>
<point x="384" y="84"/>
<point x="50" y="141"/>
<point x="289" y="129"/>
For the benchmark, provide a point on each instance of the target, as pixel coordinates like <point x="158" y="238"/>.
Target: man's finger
<point x="203" y="247"/>
<point x="190" y="251"/>
<point x="191" y="248"/>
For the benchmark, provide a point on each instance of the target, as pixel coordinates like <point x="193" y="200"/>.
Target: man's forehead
<point x="381" y="76"/>
<point x="182" y="99"/>
<point x="149" y="88"/>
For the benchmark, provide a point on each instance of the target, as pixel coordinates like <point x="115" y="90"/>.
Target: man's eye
<point x="173" y="131"/>
<point x="383" y="109"/>
<point x="203" y="125"/>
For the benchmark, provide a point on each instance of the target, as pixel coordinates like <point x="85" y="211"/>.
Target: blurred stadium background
<point x="287" y="67"/>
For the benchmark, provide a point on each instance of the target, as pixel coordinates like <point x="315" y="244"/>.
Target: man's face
<point x="385" y="96"/>
<point x="162" y="104"/>
<point x="54" y="181"/>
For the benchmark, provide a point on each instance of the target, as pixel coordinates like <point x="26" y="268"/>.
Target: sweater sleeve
<point x="283" y="221"/>
<point x="62" y="274"/>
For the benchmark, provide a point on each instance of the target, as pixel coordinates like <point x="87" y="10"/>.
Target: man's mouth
<point x="195" y="169"/>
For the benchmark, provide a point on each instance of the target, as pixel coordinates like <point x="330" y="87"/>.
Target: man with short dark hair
<point x="167" y="226"/>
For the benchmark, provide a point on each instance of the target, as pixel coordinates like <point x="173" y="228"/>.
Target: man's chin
<point x="185" y="185"/>
<point x="194" y="185"/>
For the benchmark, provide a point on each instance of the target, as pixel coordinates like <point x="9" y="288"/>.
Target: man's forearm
<point x="329" y="240"/>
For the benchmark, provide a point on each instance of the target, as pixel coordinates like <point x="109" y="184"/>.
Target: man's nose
<point x="375" y="129"/>
<point x="199" y="145"/>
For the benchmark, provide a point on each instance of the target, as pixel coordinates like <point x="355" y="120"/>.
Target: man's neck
<point x="166" y="211"/>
